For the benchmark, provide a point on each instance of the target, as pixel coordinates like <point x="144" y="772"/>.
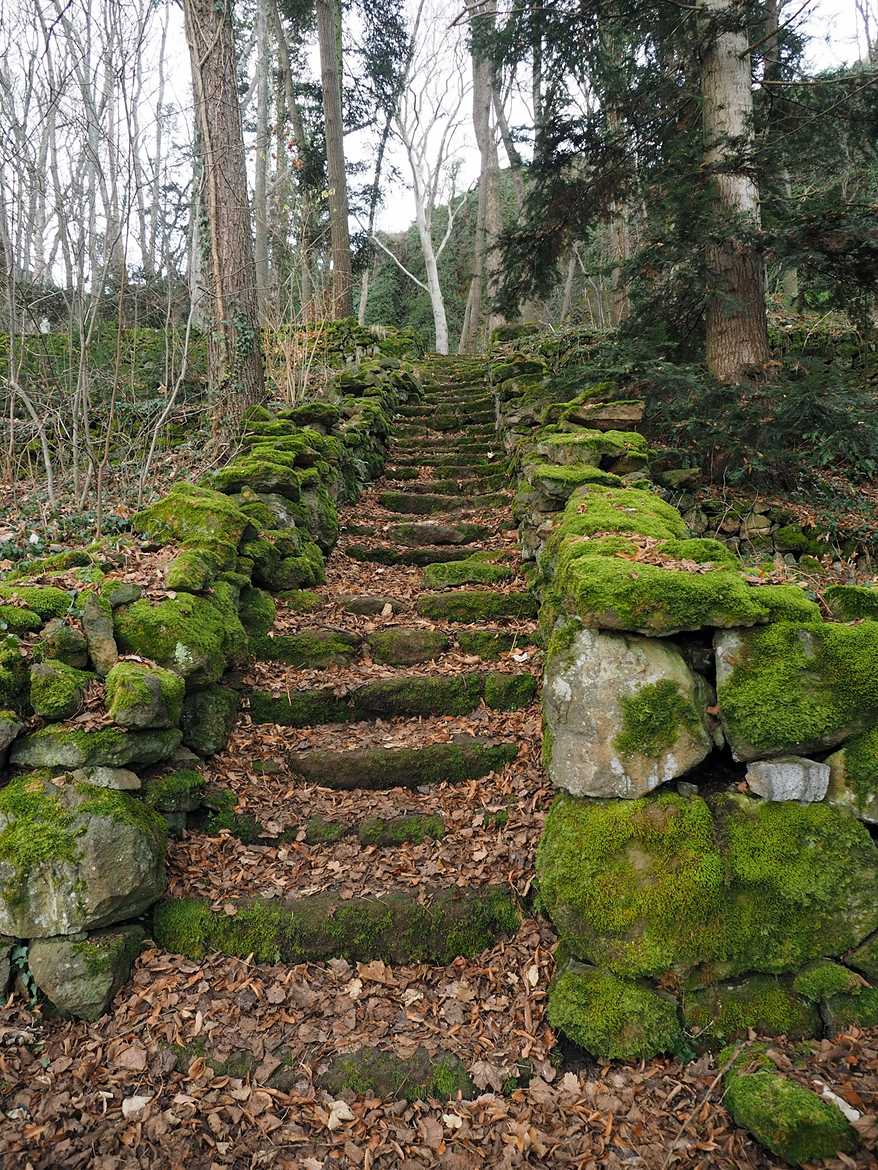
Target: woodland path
<point x="379" y="759"/>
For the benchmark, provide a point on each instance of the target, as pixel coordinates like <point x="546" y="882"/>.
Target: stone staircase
<point x="387" y="764"/>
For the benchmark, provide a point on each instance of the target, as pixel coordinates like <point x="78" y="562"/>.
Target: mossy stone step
<point x="387" y="832"/>
<point x="423" y="503"/>
<point x="407" y="645"/>
<point x="474" y="605"/>
<point x="458" y="486"/>
<point x="314" y="648"/>
<point x="385" y="1075"/>
<point x="490" y="644"/>
<point x="429" y="532"/>
<point x="396" y="928"/>
<point x="467" y="758"/>
<point x="389" y="554"/>
<point x="473" y="571"/>
<point x="456" y="694"/>
<point x="427" y="446"/>
<point x="450" y="463"/>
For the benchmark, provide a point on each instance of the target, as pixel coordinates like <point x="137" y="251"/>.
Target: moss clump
<point x="673" y="884"/>
<point x="18" y="620"/>
<point x="368" y="1072"/>
<point x="853" y="781"/>
<point x="413" y="828"/>
<point x="14" y="675"/>
<point x="822" y="979"/>
<point x="653" y="717"/>
<point x="208" y="719"/>
<point x="57" y="690"/>
<point x="194" y="515"/>
<point x="179" y="791"/>
<point x="257" y="611"/>
<point x="470" y="571"/>
<point x="466" y="605"/>
<point x="509" y="692"/>
<point x="724" y="1012"/>
<point x="36" y="825"/>
<point x="597" y="509"/>
<point x="788" y="603"/>
<point x="191" y="570"/>
<point x="702" y="550"/>
<point x="301" y="600"/>
<point x="859" y="1009"/>
<point x="187" y="634"/>
<point x="62" y="643"/>
<point x="319" y="831"/>
<point x="407" y="645"/>
<point x="144" y="696"/>
<point x="241" y="825"/>
<point x="309" y="649"/>
<point x="44" y="600"/>
<point x="795" y="687"/>
<point x="612" y="1018"/>
<point x="849" y="603"/>
<point x="786" y="1118"/>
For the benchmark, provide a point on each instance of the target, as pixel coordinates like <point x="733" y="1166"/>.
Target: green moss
<point x="791" y="538"/>
<point x="319" y="831"/>
<point x="850" y="603"/>
<point x="859" y="1009"/>
<point x="57" y="690"/>
<point x="62" y="643"/>
<point x="302" y="600"/>
<point x="193" y="515"/>
<point x="186" y="633"/>
<point x="595" y="447"/>
<point x="144" y="696"/>
<point x="652" y="718"/>
<point x="597" y="509"/>
<point x="418" y="695"/>
<point x="191" y="571"/>
<point x="62" y="746"/>
<point x="179" y="791"/>
<point x="414" y="828"/>
<point x="446" y="574"/>
<point x="368" y="1072"/>
<point x="799" y="685"/>
<point x="14" y="674"/>
<point x="763" y="1003"/>
<point x="476" y="605"/>
<point x="43" y="600"/>
<point x="208" y="719"/>
<point x="382" y="768"/>
<point x="823" y="978"/>
<point x="18" y="620"/>
<point x="490" y="644"/>
<point x="612" y="1018"/>
<point x="309" y="648"/>
<point x="241" y="825"/>
<point x="36" y="826"/>
<point x="861" y="767"/>
<point x="122" y="809"/>
<point x="256" y="610"/>
<point x="788" y="603"/>
<point x="509" y="692"/>
<point x="789" y="1120"/>
<point x="407" y="645"/>
<point x="559" y="482"/>
<point x="702" y="550"/>
<point x="301" y="708"/>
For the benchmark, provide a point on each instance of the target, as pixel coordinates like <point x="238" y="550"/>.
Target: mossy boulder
<point x="74" y="857"/>
<point x="612" y="1018"/>
<point x="407" y="645"/>
<point x="397" y="927"/>
<point x="188" y="634"/>
<point x="57" y="690"/>
<point x="180" y="791"/>
<point x="623" y="714"/>
<point x="796" y="688"/>
<point x="62" y="642"/>
<point x="14" y="674"/>
<point x="857" y="1009"/>
<point x="823" y="979"/>
<point x="141" y="696"/>
<point x="715" y="1016"/>
<point x="848" y="603"/>
<point x="59" y="746"/>
<point x="191" y="571"/>
<point x="44" y="600"/>
<point x="194" y="515"/>
<point x="706" y="890"/>
<point x="864" y="958"/>
<point x="420" y="1077"/>
<point x="853" y="777"/>
<point x="789" y="1120"/>
<point x="209" y="717"/>
<point x="80" y="977"/>
<point x="96" y="617"/>
<point x="257" y="611"/>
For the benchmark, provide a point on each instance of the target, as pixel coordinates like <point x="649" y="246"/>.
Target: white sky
<point x="831" y="23"/>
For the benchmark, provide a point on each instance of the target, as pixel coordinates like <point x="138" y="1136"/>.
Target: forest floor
<point x="183" y="1070"/>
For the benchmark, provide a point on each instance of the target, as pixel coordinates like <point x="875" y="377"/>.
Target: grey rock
<point x="121" y="779"/>
<point x="6" y="945"/>
<point x="102" y="862"/>
<point x="591" y="693"/>
<point x="858" y="796"/>
<point x="209" y="717"/>
<point x="60" y="746"/>
<point x="788" y="778"/>
<point x="142" y="696"/>
<point x="97" y="624"/>
<point x="64" y="643"/>
<point x="121" y="592"/>
<point x="367" y="604"/>
<point x="80" y="976"/>
<point x="10" y="729"/>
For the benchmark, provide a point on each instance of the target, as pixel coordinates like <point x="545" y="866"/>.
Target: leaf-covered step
<point x="389" y="554"/>
<point x="474" y="605"/>
<point x="316" y="648"/>
<point x="399" y="927"/>
<point x="455" y="694"/>
<point x="423" y="503"/>
<point x="467" y="758"/>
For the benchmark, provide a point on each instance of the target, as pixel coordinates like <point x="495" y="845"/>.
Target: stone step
<point x="467" y="758"/>
<point x="391" y="554"/>
<point x="455" y="401"/>
<point x="405" y="695"/>
<point x="475" y="605"/>
<point x="451" y="463"/>
<point x="423" y="503"/>
<point x="455" y="447"/>
<point x="398" y="927"/>
<point x="473" y="571"/>
<point x="451" y="420"/>
<point x="313" y="649"/>
<point x="309" y="649"/>
<point x="456" y="486"/>
<point x="431" y="532"/>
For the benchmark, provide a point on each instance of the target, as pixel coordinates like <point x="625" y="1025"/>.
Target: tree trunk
<point x="342" y="281"/>
<point x="263" y="142"/>
<point x="736" y="326"/>
<point x="236" y="369"/>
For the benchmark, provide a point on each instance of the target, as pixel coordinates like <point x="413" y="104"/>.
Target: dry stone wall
<point x="113" y="678"/>
<point x="708" y="862"/>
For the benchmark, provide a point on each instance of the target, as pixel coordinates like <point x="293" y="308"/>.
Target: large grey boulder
<point x="59" y="746"/>
<point x="74" y="857"/>
<point x="80" y="976"/>
<point x="623" y="713"/>
<point x="788" y="778"/>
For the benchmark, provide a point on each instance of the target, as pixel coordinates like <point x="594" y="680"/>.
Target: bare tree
<point x="329" y="36"/>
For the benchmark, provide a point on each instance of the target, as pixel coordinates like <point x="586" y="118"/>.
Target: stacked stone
<point x="89" y="802"/>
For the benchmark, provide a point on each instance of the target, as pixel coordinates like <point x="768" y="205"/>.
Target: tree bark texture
<point x="236" y="373"/>
<point x="342" y="281"/>
<point x="736" y="326"/>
